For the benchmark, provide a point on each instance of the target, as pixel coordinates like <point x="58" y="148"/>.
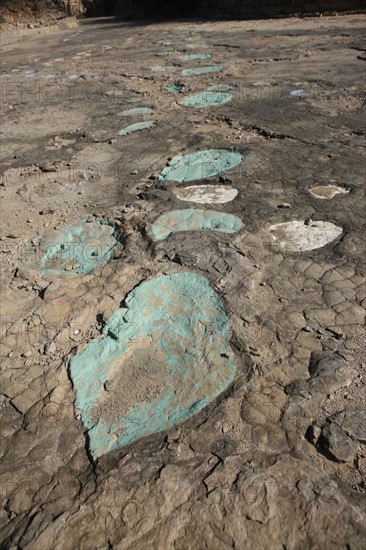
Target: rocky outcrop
<point x="18" y="11"/>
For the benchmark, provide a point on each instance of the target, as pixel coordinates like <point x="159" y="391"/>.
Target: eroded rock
<point x="337" y="443"/>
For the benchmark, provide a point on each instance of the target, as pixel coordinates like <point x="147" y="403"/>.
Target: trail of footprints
<point x="182" y="357"/>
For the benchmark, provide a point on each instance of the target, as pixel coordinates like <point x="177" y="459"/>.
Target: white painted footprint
<point x="206" y="194"/>
<point x="298" y="236"/>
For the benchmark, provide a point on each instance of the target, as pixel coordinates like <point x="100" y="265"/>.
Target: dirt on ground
<point x="279" y="459"/>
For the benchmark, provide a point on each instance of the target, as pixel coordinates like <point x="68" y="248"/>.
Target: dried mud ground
<point x="278" y="461"/>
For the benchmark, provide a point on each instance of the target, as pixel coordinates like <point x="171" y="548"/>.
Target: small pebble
<point x="47" y="211"/>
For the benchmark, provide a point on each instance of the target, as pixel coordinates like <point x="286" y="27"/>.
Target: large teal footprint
<point x="163" y="358"/>
<point x="193" y="219"/>
<point x="72" y="250"/>
<point x="200" y="165"/>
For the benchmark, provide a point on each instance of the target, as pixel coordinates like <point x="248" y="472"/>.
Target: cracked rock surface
<point x="278" y="459"/>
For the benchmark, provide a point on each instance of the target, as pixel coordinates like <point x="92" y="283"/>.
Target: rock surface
<point x="277" y="460"/>
<point x="336" y="442"/>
